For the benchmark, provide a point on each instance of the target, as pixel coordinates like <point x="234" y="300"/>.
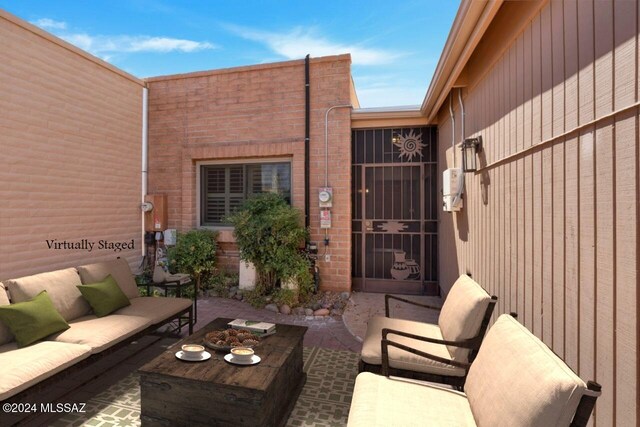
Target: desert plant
<point x="195" y="254"/>
<point x="269" y="234"/>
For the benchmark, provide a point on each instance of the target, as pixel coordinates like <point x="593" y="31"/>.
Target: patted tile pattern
<point x="324" y="400"/>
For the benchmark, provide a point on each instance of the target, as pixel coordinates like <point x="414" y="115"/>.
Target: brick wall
<point x="251" y="113"/>
<point x="70" y="140"/>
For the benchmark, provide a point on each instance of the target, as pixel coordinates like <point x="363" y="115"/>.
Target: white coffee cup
<point x="242" y="354"/>
<point x="192" y="351"/>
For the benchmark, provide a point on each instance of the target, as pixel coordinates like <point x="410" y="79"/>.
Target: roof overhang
<point x="471" y="22"/>
<point x="409" y="115"/>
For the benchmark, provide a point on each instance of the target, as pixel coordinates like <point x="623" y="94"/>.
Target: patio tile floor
<point x="328" y="332"/>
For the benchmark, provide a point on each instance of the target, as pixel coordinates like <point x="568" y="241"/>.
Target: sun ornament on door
<point x="409" y="144"/>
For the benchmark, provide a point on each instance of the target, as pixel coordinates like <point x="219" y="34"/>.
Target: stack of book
<point x="262" y="329"/>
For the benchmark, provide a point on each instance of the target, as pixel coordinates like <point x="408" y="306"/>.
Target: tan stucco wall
<point x="70" y="152"/>
<point x="553" y="231"/>
<point x="250" y="113"/>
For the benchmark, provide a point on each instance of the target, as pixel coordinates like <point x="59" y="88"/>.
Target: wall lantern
<point x="470" y="149"/>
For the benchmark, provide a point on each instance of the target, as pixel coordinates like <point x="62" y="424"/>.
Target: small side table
<point x="176" y="286"/>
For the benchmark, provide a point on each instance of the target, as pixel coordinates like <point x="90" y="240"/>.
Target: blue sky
<point x="395" y="45"/>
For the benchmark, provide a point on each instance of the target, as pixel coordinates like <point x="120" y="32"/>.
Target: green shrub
<point x="220" y="282"/>
<point x="285" y="296"/>
<point x="195" y="254"/>
<point x="269" y="234"/>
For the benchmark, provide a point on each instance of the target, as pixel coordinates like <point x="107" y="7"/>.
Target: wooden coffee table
<point x="217" y="393"/>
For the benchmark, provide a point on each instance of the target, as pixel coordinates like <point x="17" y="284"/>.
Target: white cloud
<point x="100" y="45"/>
<point x="50" y="24"/>
<point x="106" y="46"/>
<point x="299" y="42"/>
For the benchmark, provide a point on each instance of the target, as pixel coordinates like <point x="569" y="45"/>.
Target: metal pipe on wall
<point x="307" y="130"/>
<point x="453" y="127"/>
<point x="462" y="117"/>
<point x="326" y="153"/>
<point x="145" y="158"/>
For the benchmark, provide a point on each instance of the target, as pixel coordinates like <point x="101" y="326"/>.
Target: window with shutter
<point x="223" y="188"/>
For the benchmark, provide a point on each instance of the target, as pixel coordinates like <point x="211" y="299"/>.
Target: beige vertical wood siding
<point x="70" y="129"/>
<point x="554" y="232"/>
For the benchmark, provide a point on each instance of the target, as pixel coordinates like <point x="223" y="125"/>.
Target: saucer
<point x="254" y="359"/>
<point x="204" y="356"/>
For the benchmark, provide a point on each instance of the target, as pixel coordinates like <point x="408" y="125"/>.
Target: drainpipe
<point x="462" y="116"/>
<point x="453" y="127"/>
<point x="307" y="130"/>
<point x="145" y="159"/>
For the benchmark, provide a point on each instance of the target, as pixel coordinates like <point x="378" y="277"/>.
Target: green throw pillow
<point x="32" y="320"/>
<point x="104" y="297"/>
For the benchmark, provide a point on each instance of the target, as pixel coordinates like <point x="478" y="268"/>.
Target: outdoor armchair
<point x="450" y="345"/>
<point x="515" y="381"/>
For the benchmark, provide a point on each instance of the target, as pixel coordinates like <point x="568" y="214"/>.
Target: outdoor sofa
<point x="515" y="381"/>
<point x="452" y="343"/>
<point x="88" y="336"/>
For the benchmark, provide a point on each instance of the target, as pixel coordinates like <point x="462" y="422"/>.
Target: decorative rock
<point x="326" y="305"/>
<point x="308" y="312"/>
<point x="272" y="307"/>
<point x="316" y="306"/>
<point x="345" y="296"/>
<point x="238" y="296"/>
<point x="285" y="309"/>
<point x="299" y="311"/>
<point x="338" y="305"/>
<point x="321" y="312"/>
<point x="336" y="312"/>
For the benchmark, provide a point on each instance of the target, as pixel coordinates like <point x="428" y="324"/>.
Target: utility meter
<point x="325" y="197"/>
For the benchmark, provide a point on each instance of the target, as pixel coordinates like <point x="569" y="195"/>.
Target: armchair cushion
<point x="400" y="359"/>
<point x="462" y="313"/>
<point x="382" y="401"/>
<point x="517" y="380"/>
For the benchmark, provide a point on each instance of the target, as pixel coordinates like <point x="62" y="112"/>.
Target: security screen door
<point x="394" y="211"/>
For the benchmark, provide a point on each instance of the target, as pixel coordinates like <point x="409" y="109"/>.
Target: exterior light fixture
<point x="395" y="138"/>
<point x="470" y="149"/>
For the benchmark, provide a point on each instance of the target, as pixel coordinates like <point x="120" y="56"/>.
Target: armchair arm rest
<point x="470" y="343"/>
<point x="387" y="297"/>
<point x="385" y="356"/>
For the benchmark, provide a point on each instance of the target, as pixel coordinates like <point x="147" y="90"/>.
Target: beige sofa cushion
<point x="155" y="309"/>
<point x="118" y="268"/>
<point x="20" y="368"/>
<point x="5" y="334"/>
<point x="384" y="402"/>
<point x="516" y="380"/>
<point x="371" y="350"/>
<point x="61" y="287"/>
<point x="100" y="333"/>
<point x="462" y="313"/>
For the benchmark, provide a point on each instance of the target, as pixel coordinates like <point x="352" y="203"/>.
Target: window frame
<point x="230" y="162"/>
